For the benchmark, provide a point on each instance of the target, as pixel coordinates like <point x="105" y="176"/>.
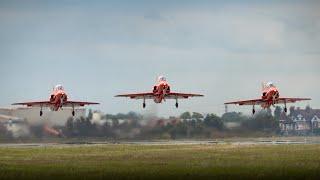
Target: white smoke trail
<point x="18" y="130"/>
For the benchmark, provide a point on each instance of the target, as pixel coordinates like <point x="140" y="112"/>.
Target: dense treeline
<point x="187" y="125"/>
<point x="136" y="126"/>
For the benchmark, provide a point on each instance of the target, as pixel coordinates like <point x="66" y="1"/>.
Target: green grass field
<point x="161" y="162"/>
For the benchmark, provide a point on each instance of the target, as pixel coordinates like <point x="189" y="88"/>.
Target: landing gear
<point x="61" y="102"/>
<point x="73" y="113"/>
<point x="177" y="104"/>
<point x="285" y="107"/>
<point x="41" y="111"/>
<point x="144" y="103"/>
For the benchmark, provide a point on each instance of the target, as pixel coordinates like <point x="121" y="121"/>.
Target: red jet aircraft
<point x="161" y="92"/>
<point x="270" y="96"/>
<point x="58" y="99"/>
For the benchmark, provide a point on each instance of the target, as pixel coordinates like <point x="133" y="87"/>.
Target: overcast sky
<point x="98" y="49"/>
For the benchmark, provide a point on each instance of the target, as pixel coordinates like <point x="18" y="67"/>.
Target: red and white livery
<point x="58" y="100"/>
<point x="161" y="92"/>
<point x="270" y="96"/>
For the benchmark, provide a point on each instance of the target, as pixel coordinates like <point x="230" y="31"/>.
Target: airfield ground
<point x="161" y="161"/>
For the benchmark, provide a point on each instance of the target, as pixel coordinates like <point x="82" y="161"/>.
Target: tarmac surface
<point x="233" y="141"/>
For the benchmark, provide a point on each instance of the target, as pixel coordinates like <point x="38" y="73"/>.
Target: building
<point x="300" y="121"/>
<point x="315" y="122"/>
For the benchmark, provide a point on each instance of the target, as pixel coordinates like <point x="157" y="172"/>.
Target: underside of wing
<point x="173" y="95"/>
<point x="137" y="95"/>
<point x="290" y="100"/>
<point x="248" y="102"/>
<point x="78" y="103"/>
<point x="35" y="104"/>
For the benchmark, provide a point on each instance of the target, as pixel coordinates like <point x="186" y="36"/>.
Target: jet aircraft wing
<point x="35" y="104"/>
<point x="174" y="95"/>
<point x="290" y="100"/>
<point x="138" y="95"/>
<point x="49" y="104"/>
<point x="248" y="102"/>
<point x="261" y="101"/>
<point x="77" y="103"/>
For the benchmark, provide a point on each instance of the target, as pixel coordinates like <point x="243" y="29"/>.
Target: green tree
<point x="214" y="121"/>
<point x="84" y="127"/>
<point x="277" y="112"/>
<point x="134" y="116"/>
<point x="196" y="116"/>
<point x="292" y="111"/>
<point x="115" y="122"/>
<point x="69" y="127"/>
<point x="262" y="121"/>
<point x="185" y="115"/>
<point x="110" y="116"/>
<point x="233" y="117"/>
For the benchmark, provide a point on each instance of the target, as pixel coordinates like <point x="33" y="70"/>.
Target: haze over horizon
<point x="98" y="49"/>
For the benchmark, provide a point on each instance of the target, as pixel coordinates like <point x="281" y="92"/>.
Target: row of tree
<point x="187" y="125"/>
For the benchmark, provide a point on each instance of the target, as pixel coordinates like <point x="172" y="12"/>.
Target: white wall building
<point x="299" y="124"/>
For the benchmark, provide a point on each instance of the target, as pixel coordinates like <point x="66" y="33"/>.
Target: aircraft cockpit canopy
<point x="270" y="84"/>
<point x="58" y="87"/>
<point x="161" y="78"/>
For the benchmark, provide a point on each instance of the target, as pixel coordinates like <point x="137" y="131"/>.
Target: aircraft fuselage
<point x="269" y="95"/>
<point x="160" y="90"/>
<point x="58" y="98"/>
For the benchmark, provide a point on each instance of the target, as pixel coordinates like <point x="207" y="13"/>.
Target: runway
<point x="231" y="141"/>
